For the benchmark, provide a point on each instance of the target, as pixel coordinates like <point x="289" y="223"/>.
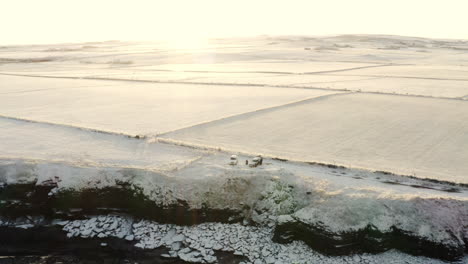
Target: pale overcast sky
<point x="51" y="21"/>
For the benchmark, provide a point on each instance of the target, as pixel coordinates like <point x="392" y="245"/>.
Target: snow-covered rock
<point x="272" y="195"/>
<point x="254" y="243"/>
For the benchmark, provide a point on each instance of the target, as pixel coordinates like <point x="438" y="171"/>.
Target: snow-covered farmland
<point x="378" y="84"/>
<point x="403" y="86"/>
<point x="408" y="135"/>
<point x="441" y="72"/>
<point x="264" y="66"/>
<point x="289" y="97"/>
<point x="35" y="141"/>
<point x="135" y="108"/>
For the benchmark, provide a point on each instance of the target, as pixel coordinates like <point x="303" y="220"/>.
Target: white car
<point x="233" y="160"/>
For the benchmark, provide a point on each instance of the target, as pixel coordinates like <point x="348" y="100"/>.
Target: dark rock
<point x="44" y="245"/>
<point x="29" y="199"/>
<point x="367" y="240"/>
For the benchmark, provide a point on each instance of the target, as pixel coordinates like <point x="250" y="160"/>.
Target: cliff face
<point x="330" y="219"/>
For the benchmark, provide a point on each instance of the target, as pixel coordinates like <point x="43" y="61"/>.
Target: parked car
<point x="233" y="160"/>
<point x="258" y="160"/>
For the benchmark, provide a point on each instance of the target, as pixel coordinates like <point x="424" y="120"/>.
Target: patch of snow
<point x="197" y="243"/>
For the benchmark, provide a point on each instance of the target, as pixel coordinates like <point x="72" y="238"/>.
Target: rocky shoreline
<point x="192" y="235"/>
<point x="123" y="239"/>
<point x="49" y="244"/>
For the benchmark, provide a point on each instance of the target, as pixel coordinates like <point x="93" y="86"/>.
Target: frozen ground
<point x="407" y="135"/>
<point x="135" y="108"/>
<point x="288" y="97"/>
<point x="35" y="141"/>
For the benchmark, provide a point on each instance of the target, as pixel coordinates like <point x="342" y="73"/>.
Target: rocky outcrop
<point x="369" y="239"/>
<point x="21" y="200"/>
<point x="332" y="223"/>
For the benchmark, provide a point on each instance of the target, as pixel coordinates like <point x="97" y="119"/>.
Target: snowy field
<point x="35" y="141"/>
<point x="135" y="108"/>
<point x="407" y="135"/>
<point x="396" y="104"/>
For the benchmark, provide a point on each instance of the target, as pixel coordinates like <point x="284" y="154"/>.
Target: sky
<point x="57" y="21"/>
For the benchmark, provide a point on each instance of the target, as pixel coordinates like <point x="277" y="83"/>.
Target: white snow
<point x="136" y="109"/>
<point x="197" y="243"/>
<point x="408" y="135"/>
<point x="260" y="66"/>
<point x="434" y="71"/>
<point x="51" y="143"/>
<point x="393" y="85"/>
